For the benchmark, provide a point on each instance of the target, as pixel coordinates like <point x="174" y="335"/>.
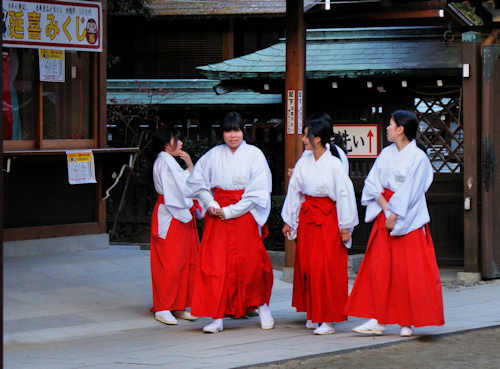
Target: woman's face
<point x="174" y="148"/>
<point x="394" y="131"/>
<point x="233" y="139"/>
<point x="308" y="144"/>
<point x="305" y="140"/>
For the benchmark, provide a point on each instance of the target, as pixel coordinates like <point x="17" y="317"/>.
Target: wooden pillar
<point x="228" y="41"/>
<point x="471" y="87"/>
<point x="100" y="129"/>
<point x="294" y="96"/>
<point x="2" y="194"/>
<point x="490" y="154"/>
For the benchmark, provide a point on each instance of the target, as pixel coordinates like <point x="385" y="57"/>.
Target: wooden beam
<point x="294" y="95"/>
<point x="410" y="14"/>
<point x="471" y="93"/>
<point x="60" y="230"/>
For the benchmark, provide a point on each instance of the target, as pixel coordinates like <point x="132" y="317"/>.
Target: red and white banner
<point x="66" y="25"/>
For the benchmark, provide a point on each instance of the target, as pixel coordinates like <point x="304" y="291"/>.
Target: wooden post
<point x="228" y="41"/>
<point x="294" y="99"/>
<point x="490" y="154"/>
<point x="2" y="192"/>
<point x="100" y="131"/>
<point x="471" y="59"/>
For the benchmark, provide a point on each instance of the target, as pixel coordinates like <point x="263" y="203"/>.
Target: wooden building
<point x="181" y="35"/>
<point x="361" y="75"/>
<point x="54" y="74"/>
<point x="450" y="81"/>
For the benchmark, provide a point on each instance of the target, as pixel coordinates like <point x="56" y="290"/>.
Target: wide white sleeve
<point x="416" y="184"/>
<point x="199" y="184"/>
<point x="371" y="192"/>
<point x="257" y="195"/>
<point x="347" y="211"/>
<point x="174" y="186"/>
<point x="293" y="201"/>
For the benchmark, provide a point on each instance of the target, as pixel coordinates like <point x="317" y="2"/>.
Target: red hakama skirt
<point x="172" y="262"/>
<point x="320" y="275"/>
<point x="233" y="273"/>
<point x="398" y="281"/>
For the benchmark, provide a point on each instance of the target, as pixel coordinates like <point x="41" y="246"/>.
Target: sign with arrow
<point x="361" y="140"/>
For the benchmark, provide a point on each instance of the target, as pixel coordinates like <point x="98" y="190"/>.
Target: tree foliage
<point x="129" y="7"/>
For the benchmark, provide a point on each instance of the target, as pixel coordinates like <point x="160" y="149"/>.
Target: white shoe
<point x="214" y="327"/>
<point x="311" y="325"/>
<point x="370" y="327"/>
<point x="266" y="318"/>
<point x="406" y="332"/>
<point x="165" y="316"/>
<point x="324" y="328"/>
<point x="186" y="315"/>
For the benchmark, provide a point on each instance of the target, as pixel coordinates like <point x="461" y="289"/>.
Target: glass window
<point x="20" y="88"/>
<point x="66" y="106"/>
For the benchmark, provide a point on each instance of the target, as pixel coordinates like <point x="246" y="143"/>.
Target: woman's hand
<point x="391" y="221"/>
<point x="345" y="235"/>
<point x="220" y="213"/>
<point x="383" y="203"/>
<point x="187" y="159"/>
<point x="286" y="231"/>
<point x="212" y="211"/>
<point x="290" y="172"/>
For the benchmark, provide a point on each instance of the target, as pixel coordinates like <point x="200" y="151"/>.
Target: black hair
<point x="407" y="120"/>
<point x="232" y="122"/>
<point x="320" y="125"/>
<point x="162" y="138"/>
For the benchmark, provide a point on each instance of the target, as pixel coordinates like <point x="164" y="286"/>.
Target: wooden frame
<point x="96" y="141"/>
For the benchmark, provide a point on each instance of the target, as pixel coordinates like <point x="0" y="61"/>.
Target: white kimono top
<point x="325" y="177"/>
<point x="343" y="156"/>
<point x="170" y="181"/>
<point x="245" y="169"/>
<point x="408" y="173"/>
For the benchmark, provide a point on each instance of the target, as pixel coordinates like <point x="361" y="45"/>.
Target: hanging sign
<point x="361" y="140"/>
<point x="51" y="65"/>
<point x="66" y="25"/>
<point x="290" y="112"/>
<point x="299" y="112"/>
<point x="81" y="167"/>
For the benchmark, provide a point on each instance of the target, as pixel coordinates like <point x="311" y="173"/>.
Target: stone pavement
<point x="90" y="309"/>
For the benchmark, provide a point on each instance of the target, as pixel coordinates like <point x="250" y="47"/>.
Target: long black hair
<point x="320" y="125"/>
<point x="408" y="120"/>
<point x="162" y="138"/>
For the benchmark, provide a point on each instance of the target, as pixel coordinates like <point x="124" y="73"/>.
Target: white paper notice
<point x="51" y="65"/>
<point x="81" y="167"/>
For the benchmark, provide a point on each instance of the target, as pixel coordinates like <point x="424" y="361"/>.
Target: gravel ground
<point x="479" y="349"/>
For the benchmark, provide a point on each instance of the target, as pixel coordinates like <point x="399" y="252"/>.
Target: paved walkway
<point x="91" y="310"/>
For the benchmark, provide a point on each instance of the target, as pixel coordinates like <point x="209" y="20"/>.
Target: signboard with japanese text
<point x="65" y="25"/>
<point x="81" y="167"/>
<point x="290" y="112"/>
<point x="300" y="110"/>
<point x="361" y="139"/>
<point x="51" y="65"/>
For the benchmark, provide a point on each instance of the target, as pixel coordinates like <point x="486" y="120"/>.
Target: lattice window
<point x="440" y="131"/>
